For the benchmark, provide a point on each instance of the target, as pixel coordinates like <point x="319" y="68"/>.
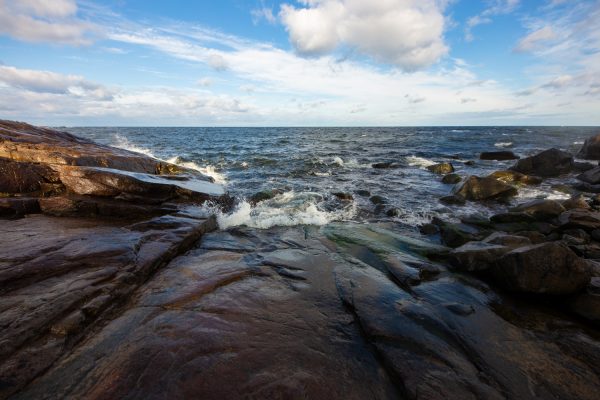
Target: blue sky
<point x="300" y="63"/>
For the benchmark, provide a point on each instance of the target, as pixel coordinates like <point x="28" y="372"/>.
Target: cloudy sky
<point x="300" y="62"/>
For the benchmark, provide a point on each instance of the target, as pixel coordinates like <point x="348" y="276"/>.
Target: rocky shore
<point x="116" y="284"/>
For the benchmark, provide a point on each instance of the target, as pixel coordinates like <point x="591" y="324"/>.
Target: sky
<point x="300" y="62"/>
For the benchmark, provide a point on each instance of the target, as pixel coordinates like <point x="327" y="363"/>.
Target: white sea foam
<point x="287" y="209"/>
<point x="579" y="142"/>
<point x="503" y="144"/>
<point x="528" y="193"/>
<point x="421" y="162"/>
<point x="123" y="143"/>
<point x="338" y="161"/>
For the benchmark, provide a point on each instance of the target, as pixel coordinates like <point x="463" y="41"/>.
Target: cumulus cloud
<point x="533" y="40"/>
<point x="43" y="21"/>
<point x="51" y="82"/>
<point x="405" y="33"/>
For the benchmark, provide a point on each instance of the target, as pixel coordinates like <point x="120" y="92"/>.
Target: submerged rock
<point x="475" y="188"/>
<point x="451" y="179"/>
<point x="443" y="168"/>
<point x="548" y="163"/>
<point x="549" y="268"/>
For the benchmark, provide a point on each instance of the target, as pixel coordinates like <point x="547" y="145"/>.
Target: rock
<point x="510" y="241"/>
<point x="475" y="188"/>
<point x="385" y="165"/>
<point x="596" y="235"/>
<point x="442" y="168"/>
<point x="587" y="304"/>
<point x="534" y="236"/>
<point x="469" y="163"/>
<point x="548" y="268"/>
<point x="574" y="202"/>
<point x="511" y="217"/>
<point x="377" y="200"/>
<point x="476" y="256"/>
<point x="363" y="193"/>
<point x="588" y="187"/>
<point x="15" y="207"/>
<point x="451" y="179"/>
<point x="498" y="155"/>
<point x="456" y="235"/>
<point x="393" y="212"/>
<point x="583" y="166"/>
<point x="580" y="219"/>
<point x="432" y="229"/>
<point x="25" y="178"/>
<point x="548" y="163"/>
<point x="540" y="209"/>
<point x="515" y="177"/>
<point x="592" y="176"/>
<point x="453" y="200"/>
<point x="343" y="196"/>
<point x="590" y="149"/>
<point x="91" y="207"/>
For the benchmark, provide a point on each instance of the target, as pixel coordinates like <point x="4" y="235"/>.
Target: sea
<point x="304" y="167"/>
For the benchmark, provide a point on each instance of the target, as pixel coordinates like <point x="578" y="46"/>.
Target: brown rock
<point x="24" y="178"/>
<point x="580" y="219"/>
<point x="548" y="163"/>
<point x="549" y="268"/>
<point x="587" y="304"/>
<point x="540" y="209"/>
<point x="590" y="149"/>
<point x="476" y="188"/>
<point x="510" y="241"/>
<point x="515" y="177"/>
<point x="592" y="176"/>
<point x="476" y="256"/>
<point x="443" y="168"/>
<point x="576" y="202"/>
<point x="451" y="179"/>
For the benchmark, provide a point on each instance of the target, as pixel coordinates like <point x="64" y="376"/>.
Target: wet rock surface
<point x="552" y="162"/>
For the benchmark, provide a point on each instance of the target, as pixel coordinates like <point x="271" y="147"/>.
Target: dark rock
<point x="587" y="304"/>
<point x="343" y="196"/>
<point x="592" y="176"/>
<point x="469" y="163"/>
<point x="540" y="209"/>
<point x="534" y="236"/>
<point x="510" y="241"/>
<point x="385" y="165"/>
<point x="455" y="235"/>
<point x="590" y="149"/>
<point x="443" y="168"/>
<point x="432" y="229"/>
<point x="550" y="268"/>
<point x="510" y="217"/>
<point x="393" y="212"/>
<point x="25" y="178"/>
<point x="548" y="163"/>
<point x="451" y="179"/>
<point x="262" y="196"/>
<point x="15" y="207"/>
<point x="475" y="188"/>
<point x="583" y="166"/>
<point x="378" y="200"/>
<point x="588" y="187"/>
<point x="476" y="256"/>
<point x="498" y="155"/>
<point x="515" y="177"/>
<point x="453" y="200"/>
<point x="596" y="235"/>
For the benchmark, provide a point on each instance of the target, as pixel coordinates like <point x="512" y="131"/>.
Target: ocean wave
<point x="421" y="162"/>
<point x="529" y="193"/>
<point x="338" y="161"/>
<point x="579" y="142"/>
<point x="287" y="209"/>
<point x="503" y="144"/>
<point x="123" y="143"/>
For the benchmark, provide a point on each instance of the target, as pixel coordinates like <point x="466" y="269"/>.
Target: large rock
<point x="475" y="188"/>
<point x="552" y="162"/>
<point x="26" y="178"/>
<point x="540" y="209"/>
<point x="498" y="155"/>
<point x="587" y="304"/>
<point x="476" y="256"/>
<point x="580" y="219"/>
<point x="590" y="149"/>
<point x="443" y="168"/>
<point x="548" y="268"/>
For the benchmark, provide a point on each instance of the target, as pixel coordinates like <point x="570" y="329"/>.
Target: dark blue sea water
<point x="306" y="165"/>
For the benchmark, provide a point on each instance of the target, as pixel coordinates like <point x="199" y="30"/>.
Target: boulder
<point x="498" y="155"/>
<point x="343" y="196"/>
<point x="24" y="177"/>
<point x="455" y="235"/>
<point x="15" y="207"/>
<point x="548" y="268"/>
<point x="453" y="200"/>
<point x="592" y="176"/>
<point x="442" y="168"/>
<point x="377" y="200"/>
<point x="587" y="304"/>
<point x="475" y="188"/>
<point x="385" y="165"/>
<point x="515" y="177"/>
<point x="510" y="241"/>
<point x="363" y="193"/>
<point x="590" y="149"/>
<point x="540" y="209"/>
<point x="451" y="179"/>
<point x="552" y="162"/>
<point x="476" y="256"/>
<point x="574" y="202"/>
<point x="580" y="219"/>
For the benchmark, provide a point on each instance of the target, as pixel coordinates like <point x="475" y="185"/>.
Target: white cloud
<point x="261" y="13"/>
<point x="44" y="21"/>
<point x="50" y="82"/>
<point x="405" y="33"/>
<point x="535" y="39"/>
<point x="205" y="82"/>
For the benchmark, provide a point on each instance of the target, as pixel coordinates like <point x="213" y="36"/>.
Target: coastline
<point x="116" y="283"/>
